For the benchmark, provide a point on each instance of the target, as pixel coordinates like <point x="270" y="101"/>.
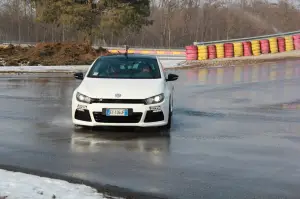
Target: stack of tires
<point x="228" y="47"/>
<point x="289" y="44"/>
<point x="238" y="49"/>
<point x="273" y="45"/>
<point x="255" y="47"/>
<point x="247" y="48"/>
<point x="202" y="52"/>
<point x="281" y="44"/>
<point x="220" y="50"/>
<point x="297" y="42"/>
<point x="212" y="52"/>
<point x="265" y="46"/>
<point x="191" y="52"/>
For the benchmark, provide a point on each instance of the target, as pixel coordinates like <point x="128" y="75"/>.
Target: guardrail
<point x="149" y="49"/>
<point x="176" y="49"/>
<point x="6" y="42"/>
<point x="247" y="38"/>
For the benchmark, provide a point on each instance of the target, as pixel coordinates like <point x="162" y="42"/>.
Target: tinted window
<point x="126" y="68"/>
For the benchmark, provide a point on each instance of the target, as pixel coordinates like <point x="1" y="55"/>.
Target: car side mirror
<point x="172" y="77"/>
<point x="78" y="75"/>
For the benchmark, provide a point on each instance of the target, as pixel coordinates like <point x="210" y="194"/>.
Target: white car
<point x="124" y="90"/>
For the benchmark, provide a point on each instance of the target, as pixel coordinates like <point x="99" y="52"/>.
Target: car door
<point x="169" y="85"/>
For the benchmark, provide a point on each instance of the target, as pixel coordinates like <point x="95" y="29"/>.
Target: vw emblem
<point x="117" y="95"/>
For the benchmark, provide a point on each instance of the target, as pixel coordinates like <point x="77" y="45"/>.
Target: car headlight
<point x="83" y="98"/>
<point x="155" y="99"/>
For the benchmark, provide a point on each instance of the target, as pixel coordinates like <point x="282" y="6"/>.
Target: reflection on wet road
<point x="235" y="135"/>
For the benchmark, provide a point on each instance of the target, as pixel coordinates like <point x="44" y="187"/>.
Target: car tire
<point x="166" y="128"/>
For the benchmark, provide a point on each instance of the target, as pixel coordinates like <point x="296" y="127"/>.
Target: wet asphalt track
<point x="236" y="134"/>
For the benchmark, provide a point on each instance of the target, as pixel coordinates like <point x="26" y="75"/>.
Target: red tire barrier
<point x="296" y="39"/>
<point x="247" y="48"/>
<point x="212" y="52"/>
<point x="281" y="44"/>
<point x="191" y="57"/>
<point x="264" y="46"/>
<point x="297" y="44"/>
<point x="191" y="52"/>
<point x="192" y="47"/>
<point x="228" y="48"/>
<point x="296" y="36"/>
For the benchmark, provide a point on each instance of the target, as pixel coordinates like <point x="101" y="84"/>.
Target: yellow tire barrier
<point x="273" y="45"/>
<point x="255" y="47"/>
<point x="220" y="50"/>
<point x="289" y="44"/>
<point x="238" y="49"/>
<point x="202" y="52"/>
<point x="273" y="39"/>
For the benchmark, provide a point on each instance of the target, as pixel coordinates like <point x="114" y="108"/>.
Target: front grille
<point x="83" y="115"/>
<point x="119" y="101"/>
<point x="132" y="118"/>
<point x="154" y="116"/>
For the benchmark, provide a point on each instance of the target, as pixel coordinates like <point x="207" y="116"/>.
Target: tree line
<point x="144" y="23"/>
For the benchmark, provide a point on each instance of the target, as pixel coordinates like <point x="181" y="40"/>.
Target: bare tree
<point x="176" y="23"/>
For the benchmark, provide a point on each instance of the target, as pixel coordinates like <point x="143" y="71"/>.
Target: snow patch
<point x="2" y="63"/>
<point x="14" y="185"/>
<point x="69" y="68"/>
<point x="44" y="68"/>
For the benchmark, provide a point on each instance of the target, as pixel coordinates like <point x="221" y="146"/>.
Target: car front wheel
<point x="169" y="124"/>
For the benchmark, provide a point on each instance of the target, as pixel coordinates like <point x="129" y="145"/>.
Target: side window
<point x="136" y="66"/>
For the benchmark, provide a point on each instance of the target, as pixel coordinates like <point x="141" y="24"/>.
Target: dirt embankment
<point x="50" y="54"/>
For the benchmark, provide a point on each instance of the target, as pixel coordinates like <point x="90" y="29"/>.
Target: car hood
<point x="128" y="88"/>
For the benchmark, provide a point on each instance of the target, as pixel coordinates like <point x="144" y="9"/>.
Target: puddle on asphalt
<point x="244" y="74"/>
<point x="128" y="141"/>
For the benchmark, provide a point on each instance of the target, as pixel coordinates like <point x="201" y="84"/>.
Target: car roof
<point x="129" y="55"/>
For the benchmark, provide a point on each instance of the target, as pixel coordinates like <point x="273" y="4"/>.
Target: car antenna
<point x="126" y="50"/>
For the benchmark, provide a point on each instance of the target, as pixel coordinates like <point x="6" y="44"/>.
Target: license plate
<point x="116" y="112"/>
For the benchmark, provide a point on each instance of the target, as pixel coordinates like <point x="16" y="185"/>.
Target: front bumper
<point x="140" y="115"/>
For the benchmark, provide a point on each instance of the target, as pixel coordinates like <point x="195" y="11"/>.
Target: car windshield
<point x="125" y="68"/>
